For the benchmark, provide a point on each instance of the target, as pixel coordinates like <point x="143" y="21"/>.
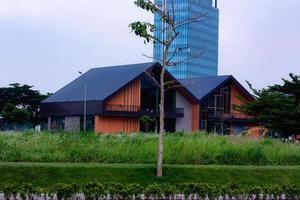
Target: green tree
<point x="13" y="114"/>
<point x="147" y="121"/>
<point x="290" y="88"/>
<point x="20" y="103"/>
<point x="277" y="107"/>
<point x="146" y="30"/>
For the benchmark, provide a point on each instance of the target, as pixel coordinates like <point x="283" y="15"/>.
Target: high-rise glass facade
<point x="197" y="43"/>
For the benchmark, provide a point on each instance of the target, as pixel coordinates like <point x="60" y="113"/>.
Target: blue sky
<point x="46" y="42"/>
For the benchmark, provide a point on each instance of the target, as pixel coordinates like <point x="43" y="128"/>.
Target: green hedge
<point x="191" y="149"/>
<point x="94" y="190"/>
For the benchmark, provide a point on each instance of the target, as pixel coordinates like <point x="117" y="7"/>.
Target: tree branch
<point x="152" y="57"/>
<point x="187" y="59"/>
<point x="190" y="20"/>
<point x="172" y="56"/>
<point x="170" y="82"/>
<point x="179" y="84"/>
<point x="151" y="77"/>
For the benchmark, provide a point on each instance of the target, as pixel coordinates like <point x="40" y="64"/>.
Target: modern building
<point x="118" y="97"/>
<point x="197" y="43"/>
<point x="219" y="97"/>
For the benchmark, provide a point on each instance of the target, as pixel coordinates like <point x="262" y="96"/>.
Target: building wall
<point x="127" y="99"/>
<point x="110" y="125"/>
<point x="194" y="39"/>
<point x="236" y="100"/>
<point x="190" y="122"/>
<point x="184" y="124"/>
<point x="72" y="123"/>
<point x="203" y="37"/>
<point x="195" y="117"/>
<point x="56" y="123"/>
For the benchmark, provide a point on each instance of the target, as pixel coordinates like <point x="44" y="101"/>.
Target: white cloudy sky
<point x="46" y="42"/>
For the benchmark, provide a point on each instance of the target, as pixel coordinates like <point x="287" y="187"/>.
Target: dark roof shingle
<point x="101" y="83"/>
<point x="203" y="86"/>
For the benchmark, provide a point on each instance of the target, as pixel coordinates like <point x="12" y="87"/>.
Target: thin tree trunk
<point x="161" y="130"/>
<point x="159" y="171"/>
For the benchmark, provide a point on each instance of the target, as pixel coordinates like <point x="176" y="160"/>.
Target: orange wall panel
<point x="128" y="99"/>
<point x="235" y="96"/>
<point x="104" y="124"/>
<point x="195" y="117"/>
<point x="236" y="101"/>
<point x="129" y="96"/>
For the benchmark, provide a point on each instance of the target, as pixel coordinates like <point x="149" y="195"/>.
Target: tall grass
<point x="194" y="149"/>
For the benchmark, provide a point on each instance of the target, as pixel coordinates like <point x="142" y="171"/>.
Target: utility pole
<point x="84" y="104"/>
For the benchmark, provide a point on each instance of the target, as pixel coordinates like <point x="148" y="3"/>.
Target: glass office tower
<point x="197" y="43"/>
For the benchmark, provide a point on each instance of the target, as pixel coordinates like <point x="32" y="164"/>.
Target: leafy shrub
<point x="93" y="190"/>
<point x="114" y="189"/>
<point x="291" y="191"/>
<point x="273" y="190"/>
<point x="168" y="190"/>
<point x="255" y="191"/>
<point x="10" y="191"/>
<point x="27" y="190"/>
<point x="189" y="188"/>
<point x="202" y="190"/>
<point x="64" y="191"/>
<point x="132" y="190"/>
<point x="233" y="189"/>
<point x="153" y="190"/>
<point x="214" y="191"/>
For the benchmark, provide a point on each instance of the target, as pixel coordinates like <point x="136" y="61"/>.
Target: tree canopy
<point x="20" y="103"/>
<point x="277" y="107"/>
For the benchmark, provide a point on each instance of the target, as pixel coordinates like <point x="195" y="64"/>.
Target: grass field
<point x="188" y="149"/>
<point x="45" y="174"/>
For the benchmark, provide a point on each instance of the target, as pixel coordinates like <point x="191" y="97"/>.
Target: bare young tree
<point x="170" y="32"/>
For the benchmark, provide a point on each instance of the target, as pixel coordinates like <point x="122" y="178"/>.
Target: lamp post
<point x="84" y="104"/>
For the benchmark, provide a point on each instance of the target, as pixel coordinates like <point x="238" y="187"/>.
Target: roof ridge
<point x="203" y="86"/>
<point x="70" y="90"/>
<point x="206" y="77"/>
<point x="125" y="65"/>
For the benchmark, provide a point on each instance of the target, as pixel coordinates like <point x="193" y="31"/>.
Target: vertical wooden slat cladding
<point x="104" y="124"/>
<point x="127" y="98"/>
<point x="195" y="117"/>
<point x="236" y="101"/>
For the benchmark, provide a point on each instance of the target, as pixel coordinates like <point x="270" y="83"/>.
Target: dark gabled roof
<point x="202" y="87"/>
<point x="101" y="83"/>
